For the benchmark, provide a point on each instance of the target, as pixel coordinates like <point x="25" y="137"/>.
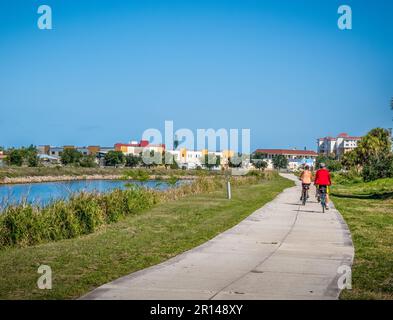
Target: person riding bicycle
<point x="323" y="181"/>
<point x="306" y="178"/>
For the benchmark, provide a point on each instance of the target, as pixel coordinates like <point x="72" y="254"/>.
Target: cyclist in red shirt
<point x="322" y="179"/>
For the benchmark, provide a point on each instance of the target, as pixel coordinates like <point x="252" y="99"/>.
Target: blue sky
<point x="111" y="69"/>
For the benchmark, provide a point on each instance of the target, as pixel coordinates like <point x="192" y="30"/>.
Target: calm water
<point x="43" y="193"/>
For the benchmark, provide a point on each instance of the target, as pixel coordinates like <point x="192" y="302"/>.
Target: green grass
<point x="378" y="189"/>
<point x="136" y="242"/>
<point x="368" y="211"/>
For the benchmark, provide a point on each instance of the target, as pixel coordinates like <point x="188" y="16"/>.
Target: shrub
<point x="133" y="160"/>
<point x="254" y="173"/>
<point x="114" y="158"/>
<point x="88" y="161"/>
<point x="113" y="206"/>
<point x="280" y="162"/>
<point x="70" y="156"/>
<point x="63" y="222"/>
<point x="334" y="165"/>
<point x="378" y="168"/>
<point x="349" y="177"/>
<point x="17" y="225"/>
<point x="86" y="208"/>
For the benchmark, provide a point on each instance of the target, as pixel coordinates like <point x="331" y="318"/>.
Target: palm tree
<point x="374" y="144"/>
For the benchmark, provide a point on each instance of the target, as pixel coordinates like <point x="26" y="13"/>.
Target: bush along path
<point x="282" y="251"/>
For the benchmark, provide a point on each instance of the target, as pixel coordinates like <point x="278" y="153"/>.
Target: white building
<point x="296" y="158"/>
<point x="337" y="146"/>
<point x="136" y="148"/>
<point x="188" y="158"/>
<point x="2" y="158"/>
<point x="192" y="159"/>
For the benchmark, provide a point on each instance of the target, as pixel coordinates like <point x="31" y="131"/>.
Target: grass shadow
<point x="370" y="196"/>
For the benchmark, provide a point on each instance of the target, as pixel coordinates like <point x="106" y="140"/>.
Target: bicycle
<point x="317" y="194"/>
<point x="305" y="188"/>
<point x="322" y="197"/>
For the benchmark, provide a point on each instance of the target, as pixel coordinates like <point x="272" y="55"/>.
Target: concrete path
<point x="281" y="251"/>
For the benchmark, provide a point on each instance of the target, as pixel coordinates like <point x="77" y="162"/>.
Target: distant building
<point x="45" y="149"/>
<point x="93" y="149"/>
<point x="296" y="158"/>
<point x="46" y="159"/>
<point x="84" y="150"/>
<point x="196" y="158"/>
<point x="56" y="151"/>
<point x="337" y="145"/>
<point x="2" y="158"/>
<point x="188" y="158"/>
<point x="136" y="148"/>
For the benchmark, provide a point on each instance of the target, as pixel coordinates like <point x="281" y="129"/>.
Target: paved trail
<point x="282" y="251"/>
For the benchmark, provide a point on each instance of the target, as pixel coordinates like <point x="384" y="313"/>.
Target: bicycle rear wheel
<point x="323" y="202"/>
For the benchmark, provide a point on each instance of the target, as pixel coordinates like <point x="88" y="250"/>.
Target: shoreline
<point x="43" y="179"/>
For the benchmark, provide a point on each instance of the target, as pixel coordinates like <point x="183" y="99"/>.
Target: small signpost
<point x="228" y="182"/>
<point x="229" y="190"/>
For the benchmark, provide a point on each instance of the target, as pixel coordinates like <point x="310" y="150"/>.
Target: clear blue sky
<point x="111" y="69"/>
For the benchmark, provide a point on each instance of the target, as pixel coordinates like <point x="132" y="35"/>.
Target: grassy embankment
<point x="59" y="171"/>
<point x="368" y="210"/>
<point x="138" y="240"/>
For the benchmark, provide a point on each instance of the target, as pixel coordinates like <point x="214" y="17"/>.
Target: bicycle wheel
<point x="304" y="197"/>
<point x="323" y="202"/>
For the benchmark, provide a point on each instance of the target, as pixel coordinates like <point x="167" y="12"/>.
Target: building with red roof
<point x="137" y="148"/>
<point x="289" y="153"/>
<point x="337" y="146"/>
<point x="296" y="158"/>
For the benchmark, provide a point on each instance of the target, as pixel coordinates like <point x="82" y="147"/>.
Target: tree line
<point x="28" y="156"/>
<point x="372" y="158"/>
<point x="22" y="156"/>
